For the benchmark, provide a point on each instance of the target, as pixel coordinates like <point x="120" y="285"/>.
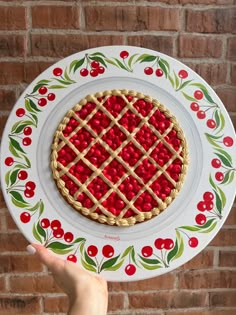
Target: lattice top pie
<point x="119" y="157"/>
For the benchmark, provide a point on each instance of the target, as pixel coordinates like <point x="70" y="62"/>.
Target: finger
<point x="46" y="257"/>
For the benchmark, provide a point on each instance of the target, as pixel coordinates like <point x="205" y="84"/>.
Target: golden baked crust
<point x="119" y="157"/>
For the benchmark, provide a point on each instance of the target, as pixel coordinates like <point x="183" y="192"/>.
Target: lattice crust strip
<point x="119" y="157"/>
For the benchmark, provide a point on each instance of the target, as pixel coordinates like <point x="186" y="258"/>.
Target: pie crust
<point x="119" y="157"/>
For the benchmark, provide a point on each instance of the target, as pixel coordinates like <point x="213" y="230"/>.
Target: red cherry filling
<point x="114" y="137"/>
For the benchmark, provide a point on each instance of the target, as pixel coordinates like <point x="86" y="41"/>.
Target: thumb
<point x="46" y="257"/>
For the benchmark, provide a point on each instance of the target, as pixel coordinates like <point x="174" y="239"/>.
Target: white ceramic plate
<point x="144" y="250"/>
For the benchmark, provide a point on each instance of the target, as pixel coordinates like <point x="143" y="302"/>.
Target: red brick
<point x="220" y="2"/>
<point x="222" y="299"/>
<point x="12" y="242"/>
<point x="211" y="21"/>
<point x="213" y="73"/>
<point x="2" y="284"/>
<point x="193" y="46"/>
<point x="116" y="301"/>
<point x="60" y="17"/>
<point x="12" y="45"/>
<point x="162" y="282"/>
<point x="188" y="299"/>
<point x="164" y="44"/>
<point x="233" y="119"/>
<point x="204" y="260"/>
<point x="131" y="18"/>
<point x="207" y="279"/>
<point x="39" y="284"/>
<point x="3" y="120"/>
<point x="228" y="97"/>
<point x="231" y="220"/>
<point x="11" y="72"/>
<point x="20" y="305"/>
<point x="12" y="18"/>
<point x="61" y="45"/>
<point x="34" y="68"/>
<point x="231" y="48"/>
<point x="56" y="305"/>
<point x="17" y="263"/>
<point x="10" y="223"/>
<point x="203" y="312"/>
<point x="7" y="99"/>
<point x="233" y="74"/>
<point x="227" y="258"/>
<point x="2" y="200"/>
<point x="143" y="300"/>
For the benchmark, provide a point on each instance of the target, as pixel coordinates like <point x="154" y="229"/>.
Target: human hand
<point x="87" y="293"/>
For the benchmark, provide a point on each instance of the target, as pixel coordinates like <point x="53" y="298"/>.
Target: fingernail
<point x="31" y="250"/>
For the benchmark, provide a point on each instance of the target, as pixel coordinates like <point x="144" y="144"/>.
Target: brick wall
<point x="200" y="33"/>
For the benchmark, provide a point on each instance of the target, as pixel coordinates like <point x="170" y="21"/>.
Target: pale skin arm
<point x="87" y="293"/>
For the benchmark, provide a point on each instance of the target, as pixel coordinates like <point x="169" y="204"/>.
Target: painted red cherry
<point x="198" y="94"/>
<point x="55" y="225"/>
<point x="57" y="72"/>
<point x="209" y="205"/>
<point x="124" y="54"/>
<point x="168" y="243"/>
<point x="183" y="74"/>
<point x="216" y="163"/>
<point x="201" y="206"/>
<point x="201" y="114"/>
<point x="159" y="72"/>
<point x="130" y="269"/>
<point x="108" y="251"/>
<point x="193" y="242"/>
<point x="92" y="250"/>
<point x="72" y="258"/>
<point x="22" y="175"/>
<point x="29" y="193"/>
<point x="9" y="161"/>
<point x="219" y="176"/>
<point x="30" y="185"/>
<point x="27" y="131"/>
<point x="95" y="64"/>
<point x="94" y="73"/>
<point x="58" y="233"/>
<point x="84" y="72"/>
<point x="25" y="217"/>
<point x="68" y="237"/>
<point x="194" y="106"/>
<point x="43" y="90"/>
<point x="147" y="251"/>
<point x="42" y="101"/>
<point x="148" y="70"/>
<point x="159" y="243"/>
<point x="26" y="141"/>
<point x="101" y="70"/>
<point x="208" y="196"/>
<point x="20" y="112"/>
<point x="45" y="223"/>
<point x="228" y="141"/>
<point x="200" y="219"/>
<point x="51" y="96"/>
<point x="211" y="123"/>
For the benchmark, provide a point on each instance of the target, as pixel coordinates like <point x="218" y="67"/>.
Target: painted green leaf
<point x="19" y="204"/>
<point x="58" y="245"/>
<point x="17" y="196"/>
<point x="222" y="196"/>
<point x="150" y="261"/>
<point x="231" y="178"/>
<point x="218" y="202"/>
<point x="63" y="81"/>
<point x="130" y="61"/>
<point x="81" y="248"/>
<point x="7" y="178"/>
<point x="35" y="118"/>
<point x="127" y="251"/>
<point x="27" y="161"/>
<point x="217" y="118"/>
<point x="99" y="59"/>
<point x="171" y="80"/>
<point x="144" y="57"/>
<point x="98" y="54"/>
<point x="177" y="81"/>
<point x="211" y="140"/>
<point x="133" y="256"/>
<point x="23" y="125"/>
<point x="225" y="154"/>
<point x="211" y="228"/>
<point x="67" y="76"/>
<point x="212" y="182"/>
<point x="36" y="234"/>
<point x="16" y="145"/>
<point x="148" y="58"/>
<point x="163" y="67"/>
<point x="41" y="231"/>
<point x="109" y="263"/>
<point x="165" y="63"/>
<point x="222" y="120"/>
<point x="61" y="251"/>
<point x="183" y="85"/>
<point x="173" y="252"/>
<point x="13" y="177"/>
<point x="120" y="64"/>
<point x="15" y="125"/>
<point x="150" y="267"/>
<point x="13" y="151"/>
<point x="224" y="160"/>
<point x="57" y="87"/>
<point x="39" y="84"/>
<point x="117" y="266"/>
<point x="72" y="65"/>
<point x="111" y="62"/>
<point x="33" y="106"/>
<point x="181" y="246"/>
<point x="188" y="97"/>
<point x="79" y="239"/>
<point x="87" y="266"/>
<point x="89" y="260"/>
<point x="35" y="207"/>
<point x="41" y="208"/>
<point x="205" y="92"/>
